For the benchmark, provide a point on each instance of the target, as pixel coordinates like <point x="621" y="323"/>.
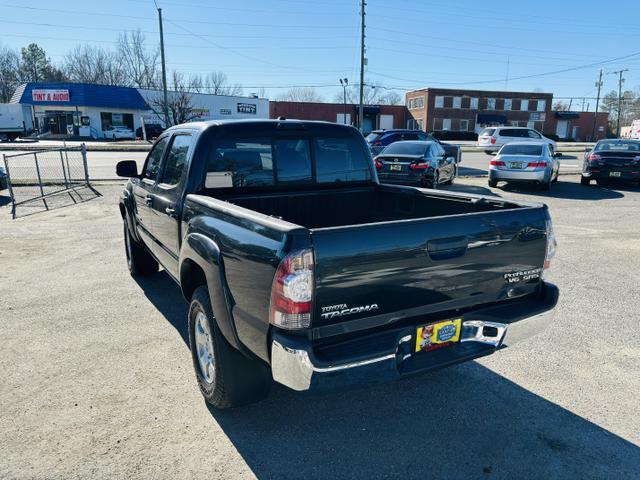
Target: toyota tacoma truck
<point x="301" y="268"/>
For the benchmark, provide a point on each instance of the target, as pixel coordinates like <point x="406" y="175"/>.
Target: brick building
<point x="375" y="116"/>
<point x="471" y="110"/>
<point x="578" y="126"/>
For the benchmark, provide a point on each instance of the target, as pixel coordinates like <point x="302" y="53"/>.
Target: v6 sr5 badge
<point x="523" y="275"/>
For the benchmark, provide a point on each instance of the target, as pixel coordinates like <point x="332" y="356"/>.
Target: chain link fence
<point x="36" y="176"/>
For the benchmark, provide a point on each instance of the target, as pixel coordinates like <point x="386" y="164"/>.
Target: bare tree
<point x="218" y="84"/>
<point x="301" y="94"/>
<point x="139" y="63"/>
<point x="373" y="94"/>
<point x="9" y="73"/>
<point x="180" y="102"/>
<point x="391" y="97"/>
<point x="89" y="64"/>
<point x="560" y="106"/>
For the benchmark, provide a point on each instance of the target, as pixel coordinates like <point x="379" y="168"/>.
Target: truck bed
<point x="363" y="205"/>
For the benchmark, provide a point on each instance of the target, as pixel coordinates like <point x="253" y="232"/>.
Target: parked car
<point x="153" y="131"/>
<point x="525" y="162"/>
<point x="612" y="160"/>
<point x="4" y="182"/>
<point x="117" y="132"/>
<point x="494" y="138"/>
<point x="422" y="163"/>
<point x="300" y="267"/>
<point x="378" y="140"/>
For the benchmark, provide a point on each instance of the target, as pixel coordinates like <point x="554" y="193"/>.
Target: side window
<point x="394" y="137"/>
<point x="340" y="160"/>
<point x="410" y="136"/>
<point x="240" y="163"/>
<point x="176" y="160"/>
<point x="152" y="166"/>
<point x="293" y="161"/>
<point x="533" y="134"/>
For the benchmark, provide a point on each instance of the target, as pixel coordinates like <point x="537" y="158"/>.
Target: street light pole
<point x="344" y="83"/>
<point x="595" y="115"/>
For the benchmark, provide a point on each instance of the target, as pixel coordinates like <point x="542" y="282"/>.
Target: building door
<point x="561" y="128"/>
<point x="386" y="122"/>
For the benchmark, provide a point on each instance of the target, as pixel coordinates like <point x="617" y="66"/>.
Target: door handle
<point x="170" y="211"/>
<point x="445" y="248"/>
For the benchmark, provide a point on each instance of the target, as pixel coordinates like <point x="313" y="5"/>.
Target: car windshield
<point x="372" y="137"/>
<point x="521" y="150"/>
<point x="406" y="148"/>
<point x="618" y="147"/>
<point x="488" y="131"/>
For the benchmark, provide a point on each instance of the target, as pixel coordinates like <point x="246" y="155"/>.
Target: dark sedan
<point x="422" y="163"/>
<point x="612" y="160"/>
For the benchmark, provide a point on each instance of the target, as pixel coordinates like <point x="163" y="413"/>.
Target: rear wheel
<point x="139" y="260"/>
<point x="225" y="376"/>
<point x="493" y="183"/>
<point x="546" y="186"/>
<point x="585" y="180"/>
<point x="435" y="181"/>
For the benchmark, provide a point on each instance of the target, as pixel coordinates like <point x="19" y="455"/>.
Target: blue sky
<point x="410" y="44"/>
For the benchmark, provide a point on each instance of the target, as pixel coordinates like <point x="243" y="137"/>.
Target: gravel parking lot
<point x="97" y="379"/>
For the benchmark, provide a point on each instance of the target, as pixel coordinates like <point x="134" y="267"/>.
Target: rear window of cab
<point x="273" y="162"/>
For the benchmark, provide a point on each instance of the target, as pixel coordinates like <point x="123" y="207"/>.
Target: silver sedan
<point x="524" y="162"/>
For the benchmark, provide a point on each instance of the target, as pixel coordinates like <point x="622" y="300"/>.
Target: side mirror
<point x="557" y="155"/>
<point x="127" y="168"/>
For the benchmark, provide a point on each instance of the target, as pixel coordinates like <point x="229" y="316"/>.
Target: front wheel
<point x="139" y="260"/>
<point x="435" y="181"/>
<point x="226" y="377"/>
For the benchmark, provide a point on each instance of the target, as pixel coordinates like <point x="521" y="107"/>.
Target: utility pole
<point x="164" y="73"/>
<point x="506" y="78"/>
<point x="595" y="114"/>
<point x="362" y="60"/>
<point x="620" y="81"/>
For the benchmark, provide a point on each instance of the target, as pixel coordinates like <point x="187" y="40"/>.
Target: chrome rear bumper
<point x="294" y="363"/>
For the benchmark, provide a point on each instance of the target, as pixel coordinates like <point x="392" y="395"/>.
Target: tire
<point x="493" y="183"/>
<point x="226" y="377"/>
<point x="139" y="260"/>
<point x="585" y="180"/>
<point x="555" y="179"/>
<point x="455" y="174"/>
<point x="434" y="182"/>
<point x="546" y="186"/>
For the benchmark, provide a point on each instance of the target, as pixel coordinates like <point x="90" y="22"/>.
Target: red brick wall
<point x="585" y="125"/>
<point x="328" y="111"/>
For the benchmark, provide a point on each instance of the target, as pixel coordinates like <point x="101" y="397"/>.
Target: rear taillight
<point x="537" y="164"/>
<point x="377" y="163"/>
<point x="419" y="166"/>
<point x="551" y="244"/>
<point x="377" y="144"/>
<point x="497" y="163"/>
<point x="594" y="158"/>
<point x="292" y="291"/>
<point x="493" y="140"/>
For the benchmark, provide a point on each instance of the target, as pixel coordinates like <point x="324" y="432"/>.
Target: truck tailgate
<point x="419" y="267"/>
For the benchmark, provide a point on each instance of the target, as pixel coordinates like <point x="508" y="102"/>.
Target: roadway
<point x="102" y="165"/>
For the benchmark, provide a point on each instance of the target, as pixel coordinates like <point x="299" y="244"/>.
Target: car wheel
<point x="139" y="260"/>
<point x="453" y="175"/>
<point x="585" y="180"/>
<point x="435" y="181"/>
<point x="546" y="186"/>
<point x="493" y="183"/>
<point x="226" y="377"/>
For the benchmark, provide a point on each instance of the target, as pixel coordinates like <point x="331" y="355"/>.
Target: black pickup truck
<point x="300" y="267"/>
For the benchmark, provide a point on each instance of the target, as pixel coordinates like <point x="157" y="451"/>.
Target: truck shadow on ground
<point x="462" y="422"/>
<point x="567" y="190"/>
<point x="465" y="188"/>
<point x="472" y="172"/>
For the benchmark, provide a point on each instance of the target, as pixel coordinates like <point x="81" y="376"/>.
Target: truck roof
<point x="286" y="124"/>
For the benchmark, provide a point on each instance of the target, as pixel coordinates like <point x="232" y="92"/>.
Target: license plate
<point x="395" y="167"/>
<point x="516" y="165"/>
<point x="614" y="174"/>
<point x="438" y="335"/>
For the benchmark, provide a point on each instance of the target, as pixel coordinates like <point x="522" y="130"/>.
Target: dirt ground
<point x="96" y="378"/>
